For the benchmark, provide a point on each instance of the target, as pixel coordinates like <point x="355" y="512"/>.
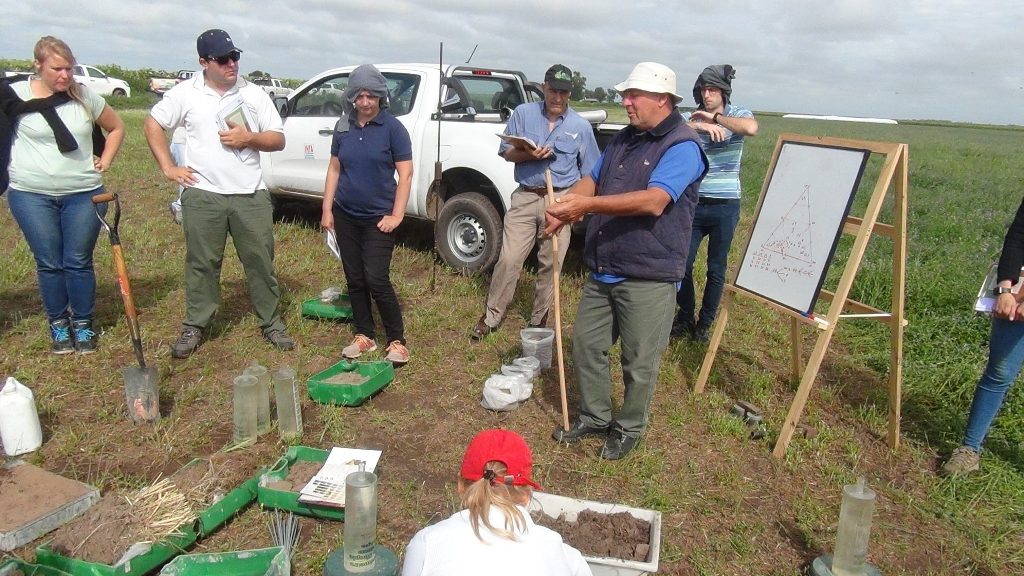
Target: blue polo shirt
<point x="366" y="187"/>
<point x="572" y="141"/>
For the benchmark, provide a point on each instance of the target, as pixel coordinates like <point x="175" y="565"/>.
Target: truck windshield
<point x="325" y="98"/>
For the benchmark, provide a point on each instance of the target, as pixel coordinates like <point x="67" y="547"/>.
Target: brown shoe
<point x="480" y="330"/>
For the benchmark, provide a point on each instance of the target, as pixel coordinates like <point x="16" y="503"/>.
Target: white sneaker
<point x="360" y="345"/>
<point x="397" y="353"/>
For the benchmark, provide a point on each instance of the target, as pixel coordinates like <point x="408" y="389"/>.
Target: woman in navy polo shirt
<point x="364" y="205"/>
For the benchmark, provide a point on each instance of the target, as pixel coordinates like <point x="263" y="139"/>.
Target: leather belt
<point x="541" y="190"/>
<point x="710" y="201"/>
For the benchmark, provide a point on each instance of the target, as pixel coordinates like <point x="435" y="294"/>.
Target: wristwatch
<point x="715" y="117"/>
<point x="1001" y="290"/>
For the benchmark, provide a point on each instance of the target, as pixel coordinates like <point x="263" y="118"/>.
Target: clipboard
<point x="985" y="300"/>
<point x="520" y="142"/>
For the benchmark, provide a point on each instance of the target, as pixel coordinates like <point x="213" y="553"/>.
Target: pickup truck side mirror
<point x="452" y="103"/>
<point x="281" y="103"/>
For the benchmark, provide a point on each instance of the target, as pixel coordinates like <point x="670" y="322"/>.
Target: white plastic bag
<point x="503" y="393"/>
<point x="330" y="294"/>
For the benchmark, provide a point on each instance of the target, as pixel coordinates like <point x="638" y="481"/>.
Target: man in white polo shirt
<point x="227" y="122"/>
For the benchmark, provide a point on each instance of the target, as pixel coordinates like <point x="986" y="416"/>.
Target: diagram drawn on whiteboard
<point x="789" y="250"/>
<point x="799" y="219"/>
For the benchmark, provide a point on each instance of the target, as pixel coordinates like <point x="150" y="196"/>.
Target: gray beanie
<point x="365" y="77"/>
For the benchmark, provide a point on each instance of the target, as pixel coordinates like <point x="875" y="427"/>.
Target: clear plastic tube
<point x="262" y="396"/>
<point x="289" y="408"/>
<point x="244" y="403"/>
<point x="854" y="529"/>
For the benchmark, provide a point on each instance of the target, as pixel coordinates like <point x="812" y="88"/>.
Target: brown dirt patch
<point x="111" y="526"/>
<point x="346" y="378"/>
<point x="300" y="473"/>
<point x="619" y="535"/>
<point x="206" y="480"/>
<point x="103" y="534"/>
<point x="27" y="493"/>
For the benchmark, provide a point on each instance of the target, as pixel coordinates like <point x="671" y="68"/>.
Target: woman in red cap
<point x="494" y="534"/>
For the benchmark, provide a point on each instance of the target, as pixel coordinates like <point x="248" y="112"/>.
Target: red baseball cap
<point x="504" y="446"/>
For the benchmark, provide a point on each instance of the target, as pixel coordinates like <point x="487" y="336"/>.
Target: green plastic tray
<point x="340" y="309"/>
<point x="282" y="500"/>
<point x="10" y="566"/>
<point x="377" y="374"/>
<point x="160" y="553"/>
<point x="262" y="562"/>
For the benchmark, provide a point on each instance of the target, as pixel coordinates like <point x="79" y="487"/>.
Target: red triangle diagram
<point x="789" y="249"/>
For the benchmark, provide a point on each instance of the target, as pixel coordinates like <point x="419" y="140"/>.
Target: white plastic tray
<point x="554" y="506"/>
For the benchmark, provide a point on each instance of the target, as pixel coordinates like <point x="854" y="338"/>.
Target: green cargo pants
<point x="208" y="219"/>
<point x="634" y="312"/>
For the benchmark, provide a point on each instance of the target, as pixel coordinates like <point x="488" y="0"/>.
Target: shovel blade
<point x="142" y="393"/>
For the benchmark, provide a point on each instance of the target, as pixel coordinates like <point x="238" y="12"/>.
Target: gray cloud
<point x="936" y="59"/>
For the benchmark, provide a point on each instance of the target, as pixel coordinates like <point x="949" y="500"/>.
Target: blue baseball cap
<point x="214" y="43"/>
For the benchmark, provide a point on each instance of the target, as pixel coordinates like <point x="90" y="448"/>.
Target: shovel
<point x="140" y="384"/>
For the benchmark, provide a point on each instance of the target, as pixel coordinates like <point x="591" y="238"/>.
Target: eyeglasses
<point x="223" y="60"/>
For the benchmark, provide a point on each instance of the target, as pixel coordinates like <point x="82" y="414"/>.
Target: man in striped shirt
<point x="721" y="127"/>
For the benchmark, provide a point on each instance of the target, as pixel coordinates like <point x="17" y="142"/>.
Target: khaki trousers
<point x="524" y="221"/>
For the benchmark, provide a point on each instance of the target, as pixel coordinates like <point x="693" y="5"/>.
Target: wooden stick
<point x="557" y="273"/>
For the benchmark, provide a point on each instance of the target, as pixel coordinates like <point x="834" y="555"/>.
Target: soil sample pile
<point x="618" y="535"/>
<point x="299" y="474"/>
<point x="104" y="533"/>
<point x="347" y="379"/>
<point x="206" y="480"/>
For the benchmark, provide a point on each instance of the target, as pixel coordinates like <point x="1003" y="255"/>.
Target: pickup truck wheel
<point x="468" y="233"/>
<point x="119" y="92"/>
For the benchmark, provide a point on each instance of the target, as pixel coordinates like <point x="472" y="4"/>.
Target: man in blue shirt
<point x="565" y="144"/>
<point x="721" y="127"/>
<point x="640" y="195"/>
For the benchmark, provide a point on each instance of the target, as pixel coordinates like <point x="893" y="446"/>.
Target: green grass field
<point x="728" y="507"/>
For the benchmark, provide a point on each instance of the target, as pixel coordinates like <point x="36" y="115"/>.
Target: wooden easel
<point x="894" y="171"/>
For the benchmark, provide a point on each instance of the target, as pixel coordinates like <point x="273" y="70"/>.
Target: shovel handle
<point x="129" y="303"/>
<point x="101" y="198"/>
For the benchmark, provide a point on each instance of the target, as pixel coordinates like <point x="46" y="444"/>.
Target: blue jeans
<point x="61" y="231"/>
<point x="718" y="223"/>
<point x="1005" y="355"/>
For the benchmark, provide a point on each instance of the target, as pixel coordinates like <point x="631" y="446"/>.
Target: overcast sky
<point x="924" y="59"/>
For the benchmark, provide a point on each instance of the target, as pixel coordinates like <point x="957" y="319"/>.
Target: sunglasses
<point x="223" y="60"/>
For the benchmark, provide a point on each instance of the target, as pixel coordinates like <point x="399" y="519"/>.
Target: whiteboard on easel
<point x="799" y="222"/>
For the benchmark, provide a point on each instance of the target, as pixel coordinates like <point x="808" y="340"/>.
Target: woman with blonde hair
<point x="494" y="534"/>
<point x="55" y="170"/>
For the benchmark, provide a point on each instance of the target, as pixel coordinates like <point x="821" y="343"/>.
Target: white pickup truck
<point x="272" y="86"/>
<point x="476" y="183"/>
<point x="99" y="82"/>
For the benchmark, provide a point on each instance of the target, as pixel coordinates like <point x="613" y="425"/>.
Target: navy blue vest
<point x="642" y="247"/>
